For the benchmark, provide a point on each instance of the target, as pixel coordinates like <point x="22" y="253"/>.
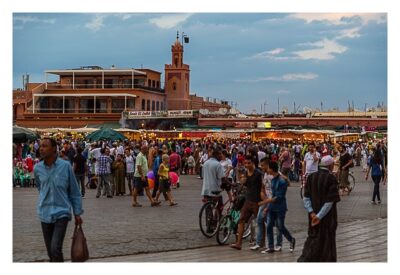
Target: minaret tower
<point x="177" y="76"/>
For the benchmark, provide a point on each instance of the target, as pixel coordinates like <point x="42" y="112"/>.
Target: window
<point x="174" y="86"/>
<point x="86" y="105"/>
<point x="148" y="105"/>
<point x="158" y="106"/>
<point x="42" y="105"/>
<point x="149" y="83"/>
<point x="130" y="104"/>
<point x="154" y="84"/>
<point x="162" y="106"/>
<point x="56" y="105"/>
<point x="118" y="105"/>
<point x="127" y="83"/>
<point x="143" y="104"/>
<point x="158" y="84"/>
<point x="153" y="105"/>
<point x="108" y="83"/>
<point x="69" y="105"/>
<point x="101" y="104"/>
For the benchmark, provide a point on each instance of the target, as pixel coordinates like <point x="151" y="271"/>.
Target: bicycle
<point x="210" y="214"/>
<point x="350" y="187"/>
<point x="229" y="224"/>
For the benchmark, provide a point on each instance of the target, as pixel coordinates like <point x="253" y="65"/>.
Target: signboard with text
<point x="263" y="124"/>
<point x="158" y="114"/>
<point x="180" y="113"/>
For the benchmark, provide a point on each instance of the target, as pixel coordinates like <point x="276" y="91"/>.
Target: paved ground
<point x="117" y="232"/>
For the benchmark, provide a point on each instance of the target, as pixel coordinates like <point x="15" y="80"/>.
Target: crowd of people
<point x="114" y="163"/>
<point x="266" y="168"/>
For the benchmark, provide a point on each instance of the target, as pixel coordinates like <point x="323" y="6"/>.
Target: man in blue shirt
<point x="58" y="193"/>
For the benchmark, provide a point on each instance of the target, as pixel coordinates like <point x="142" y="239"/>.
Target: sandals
<point x="136" y="205"/>
<point x="172" y="204"/>
<point x="156" y="203"/>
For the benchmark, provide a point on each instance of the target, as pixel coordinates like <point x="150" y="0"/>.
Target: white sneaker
<point x="268" y="250"/>
<point x="278" y="248"/>
<point x="255" y="247"/>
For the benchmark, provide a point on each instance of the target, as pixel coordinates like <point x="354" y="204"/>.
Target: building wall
<point x="153" y="78"/>
<point x="197" y="103"/>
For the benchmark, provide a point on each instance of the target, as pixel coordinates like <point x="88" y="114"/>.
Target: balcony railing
<point x="59" y="86"/>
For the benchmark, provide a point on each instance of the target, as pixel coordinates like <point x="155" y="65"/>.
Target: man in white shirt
<point x="213" y="173"/>
<point x="261" y="154"/>
<point x="311" y="160"/>
<point x="120" y="149"/>
<point x="203" y="159"/>
<point x="130" y="168"/>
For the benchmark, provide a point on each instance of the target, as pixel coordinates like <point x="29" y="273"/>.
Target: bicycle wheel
<point x="224" y="229"/>
<point x="208" y="219"/>
<point x="249" y="228"/>
<point x="301" y="192"/>
<point x="352" y="183"/>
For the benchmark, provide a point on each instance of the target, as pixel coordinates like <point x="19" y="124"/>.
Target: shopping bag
<point x="79" y="249"/>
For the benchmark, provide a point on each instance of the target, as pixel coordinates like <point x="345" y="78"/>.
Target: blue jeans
<point x="278" y="219"/>
<point x="376" y="194"/>
<point x="54" y="234"/>
<point x="261" y="218"/>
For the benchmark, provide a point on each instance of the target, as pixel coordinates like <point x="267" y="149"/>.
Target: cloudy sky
<point x="247" y="58"/>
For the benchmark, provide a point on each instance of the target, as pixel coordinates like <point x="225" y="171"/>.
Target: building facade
<point x="94" y="95"/>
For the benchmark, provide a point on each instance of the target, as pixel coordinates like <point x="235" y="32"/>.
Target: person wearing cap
<point x="320" y="198"/>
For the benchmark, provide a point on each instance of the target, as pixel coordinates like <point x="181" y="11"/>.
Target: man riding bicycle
<point x="213" y="177"/>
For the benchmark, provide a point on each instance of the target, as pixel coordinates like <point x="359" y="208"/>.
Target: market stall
<point x="292" y="135"/>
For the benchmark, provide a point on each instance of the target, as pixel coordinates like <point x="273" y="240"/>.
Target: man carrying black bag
<point x="58" y="193"/>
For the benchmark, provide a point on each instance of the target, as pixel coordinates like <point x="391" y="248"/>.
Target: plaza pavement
<point x="117" y="232"/>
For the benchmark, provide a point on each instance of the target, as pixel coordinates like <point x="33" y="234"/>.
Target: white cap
<point x="327" y="160"/>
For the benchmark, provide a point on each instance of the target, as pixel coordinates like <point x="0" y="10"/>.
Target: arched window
<point x="148" y="105"/>
<point x="157" y="105"/>
<point x="143" y="104"/>
<point x="154" y="84"/>
<point x="162" y="106"/>
<point x="174" y="86"/>
<point x="149" y="83"/>
<point x="153" y="105"/>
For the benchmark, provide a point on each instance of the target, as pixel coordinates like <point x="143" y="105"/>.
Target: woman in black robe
<point x="321" y="189"/>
